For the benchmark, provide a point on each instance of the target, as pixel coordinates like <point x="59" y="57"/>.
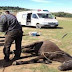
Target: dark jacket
<point x="9" y="22"/>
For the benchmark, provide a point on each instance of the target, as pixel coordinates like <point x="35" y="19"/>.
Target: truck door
<point x="28" y="20"/>
<point x="34" y="19"/>
<point x="23" y="20"/>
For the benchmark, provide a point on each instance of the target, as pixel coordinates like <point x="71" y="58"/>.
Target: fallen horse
<point x="48" y="52"/>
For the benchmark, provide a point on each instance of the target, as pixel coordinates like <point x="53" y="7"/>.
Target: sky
<point x="51" y="5"/>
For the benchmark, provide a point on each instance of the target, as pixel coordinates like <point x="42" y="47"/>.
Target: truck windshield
<point x="43" y="15"/>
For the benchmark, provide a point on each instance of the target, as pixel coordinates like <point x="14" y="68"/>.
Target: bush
<point x="62" y="14"/>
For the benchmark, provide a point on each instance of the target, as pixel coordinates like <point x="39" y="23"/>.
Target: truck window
<point x="44" y="15"/>
<point x="34" y="16"/>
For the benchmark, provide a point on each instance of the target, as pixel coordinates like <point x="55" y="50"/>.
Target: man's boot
<point x="6" y="58"/>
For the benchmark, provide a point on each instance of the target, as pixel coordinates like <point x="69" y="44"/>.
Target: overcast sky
<point x="51" y="5"/>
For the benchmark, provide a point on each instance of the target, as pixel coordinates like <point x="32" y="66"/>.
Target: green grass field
<point x="55" y="35"/>
<point x="52" y="34"/>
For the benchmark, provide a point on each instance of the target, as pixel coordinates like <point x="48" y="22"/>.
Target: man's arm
<point x="2" y="23"/>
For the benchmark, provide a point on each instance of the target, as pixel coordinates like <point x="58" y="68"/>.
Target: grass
<point x="40" y="68"/>
<point x="44" y="68"/>
<point x="53" y="34"/>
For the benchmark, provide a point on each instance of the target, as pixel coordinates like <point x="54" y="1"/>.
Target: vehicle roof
<point x="34" y="12"/>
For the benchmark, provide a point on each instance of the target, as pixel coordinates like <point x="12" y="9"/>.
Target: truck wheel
<point x="38" y="26"/>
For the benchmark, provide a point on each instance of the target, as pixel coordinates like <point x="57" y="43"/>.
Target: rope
<point x="43" y="53"/>
<point x="46" y="57"/>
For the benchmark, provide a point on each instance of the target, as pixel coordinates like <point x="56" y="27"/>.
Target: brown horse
<point x="48" y="51"/>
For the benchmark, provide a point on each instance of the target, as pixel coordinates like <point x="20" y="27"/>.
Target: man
<point x="13" y="32"/>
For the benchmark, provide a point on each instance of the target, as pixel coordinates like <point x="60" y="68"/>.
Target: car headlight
<point x="56" y="22"/>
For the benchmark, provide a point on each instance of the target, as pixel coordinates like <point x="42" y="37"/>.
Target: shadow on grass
<point x="2" y="40"/>
<point x="45" y="27"/>
<point x="5" y="64"/>
<point x="52" y="28"/>
<point x="1" y="44"/>
<point x="2" y="37"/>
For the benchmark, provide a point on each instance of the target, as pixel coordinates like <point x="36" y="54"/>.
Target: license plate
<point x="52" y="25"/>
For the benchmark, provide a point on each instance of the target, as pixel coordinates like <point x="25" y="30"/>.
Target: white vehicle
<point x="37" y="18"/>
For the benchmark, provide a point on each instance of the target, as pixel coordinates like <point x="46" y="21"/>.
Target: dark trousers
<point x="9" y="38"/>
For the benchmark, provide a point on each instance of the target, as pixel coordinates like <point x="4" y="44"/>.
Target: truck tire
<point x="38" y="26"/>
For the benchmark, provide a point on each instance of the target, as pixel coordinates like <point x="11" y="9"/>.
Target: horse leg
<point x="31" y="61"/>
